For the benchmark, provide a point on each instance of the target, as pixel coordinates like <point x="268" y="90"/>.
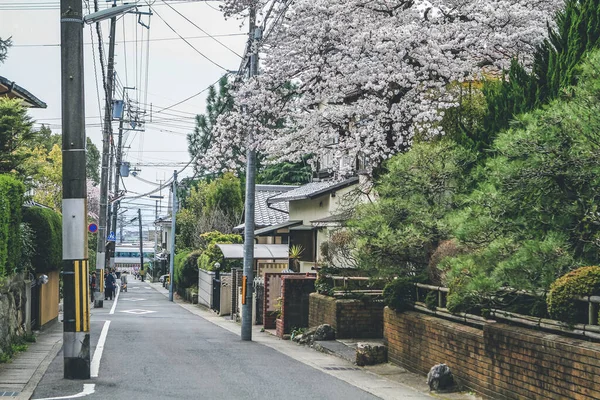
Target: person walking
<point x="109" y="286"/>
<point x="124" y="281"/>
<point x="93" y="283"/>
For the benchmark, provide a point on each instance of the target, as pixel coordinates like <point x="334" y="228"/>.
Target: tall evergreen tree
<point x="577" y="30"/>
<point x="218" y="102"/>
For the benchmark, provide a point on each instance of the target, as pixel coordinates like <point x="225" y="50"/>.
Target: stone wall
<point x="499" y="361"/>
<point x="12" y="309"/>
<point x="351" y="318"/>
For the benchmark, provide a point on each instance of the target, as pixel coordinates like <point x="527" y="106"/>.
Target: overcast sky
<point x="175" y="72"/>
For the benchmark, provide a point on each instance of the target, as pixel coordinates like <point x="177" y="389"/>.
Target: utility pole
<point x="106" y="135"/>
<point x="115" y="207"/>
<point x="173" y="216"/>
<point x="76" y="325"/>
<point x="255" y="35"/>
<point x="141" y="245"/>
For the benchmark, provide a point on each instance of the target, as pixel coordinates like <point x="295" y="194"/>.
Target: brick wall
<point x="295" y="291"/>
<point x="499" y="361"/>
<point x="350" y="318"/>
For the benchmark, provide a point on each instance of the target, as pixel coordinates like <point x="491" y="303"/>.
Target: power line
<point x="185" y="40"/>
<point x="203" y="31"/>
<point x="188" y="98"/>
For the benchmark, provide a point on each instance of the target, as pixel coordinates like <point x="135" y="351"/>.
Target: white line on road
<point x="112" y="310"/>
<point x="88" y="388"/>
<point x="99" y="349"/>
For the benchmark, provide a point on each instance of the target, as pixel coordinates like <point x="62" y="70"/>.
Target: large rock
<point x="324" y="332"/>
<point x="440" y="378"/>
<point x="370" y="354"/>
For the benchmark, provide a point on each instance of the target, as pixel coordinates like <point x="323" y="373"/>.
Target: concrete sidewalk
<point x="387" y="381"/>
<point x="19" y="378"/>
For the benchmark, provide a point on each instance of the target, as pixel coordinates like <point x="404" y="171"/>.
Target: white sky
<point x="176" y="71"/>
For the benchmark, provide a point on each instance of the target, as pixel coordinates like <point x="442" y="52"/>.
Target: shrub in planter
<point x="581" y="282"/>
<point x="400" y="294"/>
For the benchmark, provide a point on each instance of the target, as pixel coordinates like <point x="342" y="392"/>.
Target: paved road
<point x="156" y="349"/>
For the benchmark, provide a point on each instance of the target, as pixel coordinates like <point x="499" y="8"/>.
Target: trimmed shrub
<point x="212" y="253"/>
<point x="47" y="227"/>
<point x="188" y="273"/>
<point x="11" y="201"/>
<point x="399" y="294"/>
<point x="581" y="282"/>
<point x="178" y="266"/>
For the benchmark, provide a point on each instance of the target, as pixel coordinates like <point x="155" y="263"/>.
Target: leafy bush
<point x="178" y="267"/>
<point x="397" y="234"/>
<point x="581" y="282"/>
<point x="400" y="294"/>
<point x="11" y="201"/>
<point x="212" y="253"/>
<point x="47" y="227"/>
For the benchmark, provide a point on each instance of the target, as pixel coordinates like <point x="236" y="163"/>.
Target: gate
<point x="35" y="304"/>
<point x="259" y="293"/>
<point x="216" y="297"/>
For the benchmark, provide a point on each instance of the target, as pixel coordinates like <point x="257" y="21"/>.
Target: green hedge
<point x="212" y="253"/>
<point x="186" y="269"/>
<point x="47" y="227"/>
<point x="11" y="201"/>
<point x="582" y="282"/>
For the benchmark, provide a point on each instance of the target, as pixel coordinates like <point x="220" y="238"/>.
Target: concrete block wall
<point x="205" y="293"/>
<point x="499" y="361"/>
<point x="351" y="318"/>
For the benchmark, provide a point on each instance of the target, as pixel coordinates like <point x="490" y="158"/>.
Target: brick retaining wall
<point x="499" y="361"/>
<point x="350" y="318"/>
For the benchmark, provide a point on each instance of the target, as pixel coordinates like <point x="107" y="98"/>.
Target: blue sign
<point x="111" y="237"/>
<point x="93" y="228"/>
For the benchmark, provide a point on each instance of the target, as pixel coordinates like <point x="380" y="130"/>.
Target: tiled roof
<point x="12" y="89"/>
<point x="311" y="190"/>
<point x="265" y="215"/>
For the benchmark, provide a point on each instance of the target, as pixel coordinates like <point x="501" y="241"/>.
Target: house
<point x="13" y="91"/>
<point x="316" y="209"/>
<point x="269" y="214"/>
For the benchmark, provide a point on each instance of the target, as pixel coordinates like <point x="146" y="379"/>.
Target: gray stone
<point x="324" y="332"/>
<point x="440" y="378"/>
<point x="370" y="354"/>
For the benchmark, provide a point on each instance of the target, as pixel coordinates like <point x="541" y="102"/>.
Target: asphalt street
<point x="156" y="349"/>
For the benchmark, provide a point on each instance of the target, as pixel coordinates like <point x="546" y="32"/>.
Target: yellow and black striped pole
<point x="76" y="322"/>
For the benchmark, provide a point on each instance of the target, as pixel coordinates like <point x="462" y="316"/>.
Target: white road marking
<point x="133" y="299"/>
<point x="88" y="388"/>
<point x="112" y="310"/>
<point x="95" y="366"/>
<point x="137" y="311"/>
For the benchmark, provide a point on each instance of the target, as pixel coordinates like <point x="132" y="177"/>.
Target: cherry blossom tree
<point x="360" y="79"/>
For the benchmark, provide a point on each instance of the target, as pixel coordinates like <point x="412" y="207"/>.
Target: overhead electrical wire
<point x="203" y="31"/>
<point x="133" y="41"/>
<point x="185" y="40"/>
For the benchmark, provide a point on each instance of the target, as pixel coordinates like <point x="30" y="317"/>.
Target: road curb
<point x="27" y="392"/>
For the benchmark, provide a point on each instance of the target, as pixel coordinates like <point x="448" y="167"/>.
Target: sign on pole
<point x="93" y="228"/>
<point x="111" y="237"/>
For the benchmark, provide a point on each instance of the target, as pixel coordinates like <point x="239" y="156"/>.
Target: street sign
<point x="93" y="228"/>
<point x="111" y="237"/>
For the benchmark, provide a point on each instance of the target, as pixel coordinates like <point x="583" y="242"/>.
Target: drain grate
<point x="8" y="394"/>
<point x="341" y="368"/>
